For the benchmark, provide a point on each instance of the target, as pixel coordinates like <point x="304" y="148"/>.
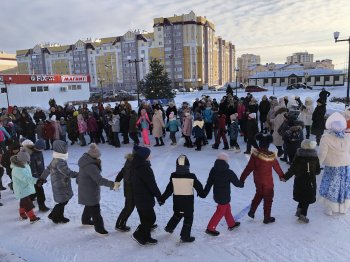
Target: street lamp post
<point x="273" y="84"/>
<point x="336" y="36"/>
<point x="135" y="61"/>
<point x="236" y="70"/>
<point x="306" y="76"/>
<point x="101" y="80"/>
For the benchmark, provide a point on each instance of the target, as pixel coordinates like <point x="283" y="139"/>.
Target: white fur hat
<point x="308" y="144"/>
<point x="336" y="122"/>
<point x="27" y="142"/>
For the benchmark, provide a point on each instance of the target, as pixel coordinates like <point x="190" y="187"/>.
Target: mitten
<point x="116" y="186"/>
<point x="160" y="201"/>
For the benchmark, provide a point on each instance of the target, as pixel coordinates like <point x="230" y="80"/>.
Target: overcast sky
<point x="272" y="29"/>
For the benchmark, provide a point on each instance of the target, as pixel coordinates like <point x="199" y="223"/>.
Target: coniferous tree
<point x="156" y="84"/>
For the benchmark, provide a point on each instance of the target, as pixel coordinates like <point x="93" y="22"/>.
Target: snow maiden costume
<point x="334" y="154"/>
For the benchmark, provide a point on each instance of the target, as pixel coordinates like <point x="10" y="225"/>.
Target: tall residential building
<point x="192" y="54"/>
<point x="244" y="63"/>
<point x="8" y="63"/>
<point x="186" y="45"/>
<point x="300" y="58"/>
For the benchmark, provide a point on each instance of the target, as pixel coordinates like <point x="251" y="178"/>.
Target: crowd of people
<point x="284" y="122"/>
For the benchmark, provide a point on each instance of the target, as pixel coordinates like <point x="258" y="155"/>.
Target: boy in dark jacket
<point x="305" y="167"/>
<point x="198" y="132"/>
<point x="261" y="163"/>
<point x="181" y="186"/>
<point x="221" y="177"/>
<point x="13" y="149"/>
<point x="145" y="189"/>
<point x="251" y="131"/>
<point x="37" y="167"/>
<point x="125" y="173"/>
<point x="233" y="132"/>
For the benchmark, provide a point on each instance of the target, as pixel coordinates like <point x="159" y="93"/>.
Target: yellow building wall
<point x="60" y="66"/>
<point x="157" y="53"/>
<point x="104" y="70"/>
<point x="23" y="68"/>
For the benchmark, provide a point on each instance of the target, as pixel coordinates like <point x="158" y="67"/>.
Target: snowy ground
<point x="324" y="239"/>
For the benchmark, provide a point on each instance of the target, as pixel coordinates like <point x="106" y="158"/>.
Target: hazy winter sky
<point x="273" y="29"/>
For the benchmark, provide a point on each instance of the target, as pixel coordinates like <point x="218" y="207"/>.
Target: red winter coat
<point x="240" y="111"/>
<point x="261" y="163"/>
<point x="92" y="124"/>
<point x="222" y="123"/>
<point x="48" y="131"/>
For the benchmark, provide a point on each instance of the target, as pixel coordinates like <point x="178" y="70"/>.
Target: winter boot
<point x="188" y="239"/>
<point x="32" y="217"/>
<point x="304" y="219"/>
<point x="151" y="241"/>
<point x="251" y="214"/>
<point x="238" y="150"/>
<point x="22" y="214"/>
<point x="212" y="233"/>
<point x="102" y="231"/>
<point x="215" y="146"/>
<point x="122" y="227"/>
<point x="153" y="227"/>
<point x="161" y="141"/>
<point x="170" y="231"/>
<point x="87" y="223"/>
<point x="43" y="208"/>
<point x="280" y="151"/>
<point x="269" y="220"/>
<point x="2" y="188"/>
<point x="226" y="147"/>
<point x="157" y="142"/>
<point x="298" y="213"/>
<point x="234" y="226"/>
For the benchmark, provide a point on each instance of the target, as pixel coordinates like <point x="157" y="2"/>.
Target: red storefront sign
<point x="43" y="79"/>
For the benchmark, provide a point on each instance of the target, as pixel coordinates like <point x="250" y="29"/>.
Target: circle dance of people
<point x="281" y="122"/>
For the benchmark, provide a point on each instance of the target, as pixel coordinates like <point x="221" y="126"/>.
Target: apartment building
<point x="186" y="45"/>
<point x="247" y="64"/>
<point x="300" y="58"/>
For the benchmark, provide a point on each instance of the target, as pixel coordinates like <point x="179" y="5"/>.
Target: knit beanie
<point x="308" y="144"/>
<point x="141" y="151"/>
<point x="182" y="160"/>
<point x="23" y="157"/>
<point x="27" y="142"/>
<point x="223" y="156"/>
<point x="60" y="146"/>
<point x="264" y="141"/>
<point x="40" y="145"/>
<point x="94" y="152"/>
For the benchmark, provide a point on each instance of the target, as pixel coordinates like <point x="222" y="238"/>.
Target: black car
<point x="298" y="86"/>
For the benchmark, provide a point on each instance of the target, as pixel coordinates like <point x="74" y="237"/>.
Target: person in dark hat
<point x="181" y="185"/>
<point x="324" y="95"/>
<point x="37" y="166"/>
<point x="261" y="163"/>
<point x="318" y="120"/>
<point x="145" y="189"/>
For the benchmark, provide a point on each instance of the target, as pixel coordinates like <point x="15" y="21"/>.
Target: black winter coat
<point x="221" y="177"/>
<point x="37" y="165"/>
<point x="125" y="173"/>
<point x="181" y="184"/>
<point x="264" y="108"/>
<point x="251" y="129"/>
<point x="318" y="121"/>
<point x="293" y="138"/>
<point x="304" y="189"/>
<point x="143" y="183"/>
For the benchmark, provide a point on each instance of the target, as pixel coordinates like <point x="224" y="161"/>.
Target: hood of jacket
<point x="280" y="110"/>
<point x="221" y="165"/>
<point x="264" y="154"/>
<point x="306" y="152"/>
<point x="86" y="160"/>
<point x="16" y="162"/>
<point x="198" y="123"/>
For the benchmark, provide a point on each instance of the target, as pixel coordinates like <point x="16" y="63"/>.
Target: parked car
<point x="255" y="88"/>
<point x="297" y="86"/>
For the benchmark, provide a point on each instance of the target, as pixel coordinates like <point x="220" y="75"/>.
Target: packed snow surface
<point x="325" y="238"/>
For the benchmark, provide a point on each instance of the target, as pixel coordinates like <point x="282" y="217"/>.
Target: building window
<point x="46" y="88"/>
<point x="336" y="78"/>
<point x="32" y="89"/>
<point x="39" y="89"/>
<point x="78" y="87"/>
<point x="317" y="79"/>
<point x="3" y="90"/>
<point x="160" y="43"/>
<point x="326" y="78"/>
<point x="282" y="80"/>
<point x="266" y="81"/>
<point x="159" y="29"/>
<point x="273" y="80"/>
<point x="299" y="80"/>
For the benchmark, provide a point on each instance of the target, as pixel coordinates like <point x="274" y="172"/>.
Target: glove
<point x="282" y="179"/>
<point x="116" y="186"/>
<point x="160" y="201"/>
<point x="40" y="182"/>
